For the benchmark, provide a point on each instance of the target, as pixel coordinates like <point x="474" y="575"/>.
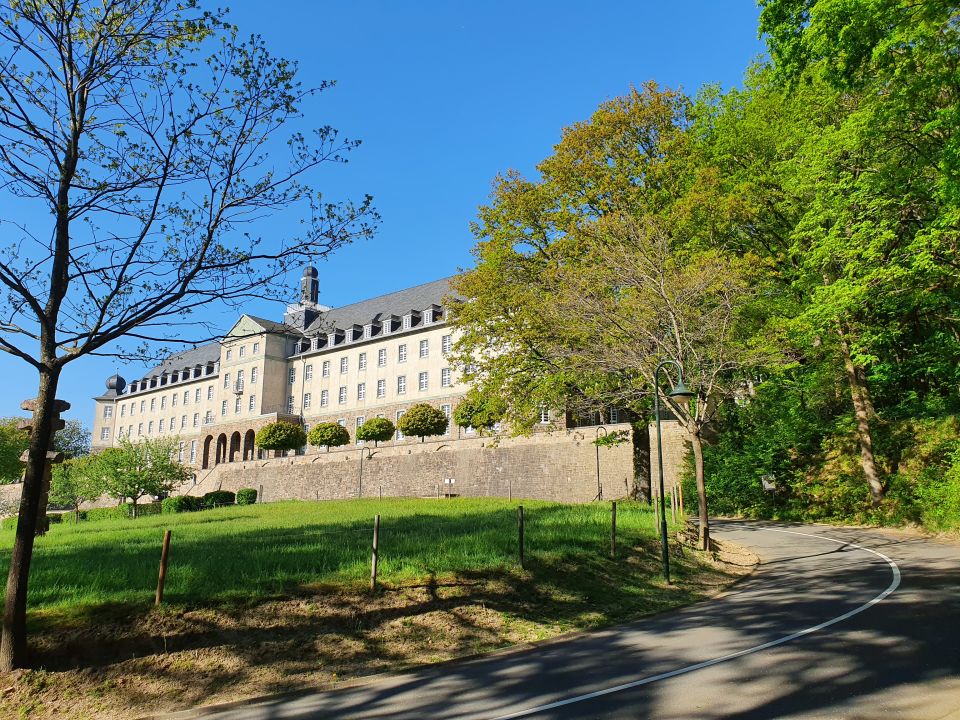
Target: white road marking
<point x="894" y="584"/>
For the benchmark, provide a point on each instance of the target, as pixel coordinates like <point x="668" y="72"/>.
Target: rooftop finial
<point x="309" y="287"/>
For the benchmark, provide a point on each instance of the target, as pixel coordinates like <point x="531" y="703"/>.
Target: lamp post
<point x="597" y="445"/>
<point x="681" y="393"/>
<point x="369" y="452"/>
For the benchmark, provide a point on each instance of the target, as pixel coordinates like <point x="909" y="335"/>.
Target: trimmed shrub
<point x="376" y="429"/>
<point x="181" y="503"/>
<point x="280" y="436"/>
<point x="218" y="498"/>
<point x="246" y="496"/>
<point x="329" y="434"/>
<point x="422" y="420"/>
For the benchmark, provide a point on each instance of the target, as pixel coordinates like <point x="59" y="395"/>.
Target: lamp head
<point x="680" y="392"/>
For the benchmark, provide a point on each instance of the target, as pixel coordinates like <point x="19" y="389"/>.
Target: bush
<point x="181" y="503"/>
<point x="329" y="434"/>
<point x="218" y="498"/>
<point x="376" y="429"/>
<point x="423" y="420"/>
<point x="280" y="436"/>
<point x="246" y="496"/>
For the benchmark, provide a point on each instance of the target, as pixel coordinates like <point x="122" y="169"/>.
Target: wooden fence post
<point x="376" y="552"/>
<point x="162" y="579"/>
<point x="520" y="532"/>
<point x="673" y="503"/>
<point x="613" y="529"/>
<point x="260" y="496"/>
<point x="680" y="494"/>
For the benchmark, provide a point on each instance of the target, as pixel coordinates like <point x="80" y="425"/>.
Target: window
<point x="423" y="381"/>
<point x="325" y="369"/>
<point x="544" y="415"/>
<point x="343" y="365"/>
<point x="107" y="411"/>
<point x="445" y="377"/>
<point x="183" y="421"/>
<point x="193" y="444"/>
<point x="186" y="394"/>
<point x="256" y="348"/>
<point x="308" y="372"/>
<point x="129" y="430"/>
<point x="324" y="398"/>
<point x="196" y="394"/>
<point x="361" y="391"/>
<point x="180" y="452"/>
<point x="252" y="404"/>
<point x="163" y="402"/>
<point x="397" y="423"/>
<point x="381" y="388"/>
<point x="446" y="344"/>
<point x="402" y="353"/>
<point x="254" y="372"/>
<point x="123" y="411"/>
<point x="293" y="375"/>
<point x="208" y="418"/>
<point x="424" y="348"/>
<point x="160" y="426"/>
<point x="196" y="419"/>
<point x="143" y="406"/>
<point x="105" y="433"/>
<point x="173" y="402"/>
<point x="445" y="409"/>
<point x="381" y="357"/>
<point x="360" y="421"/>
<point x="223" y="407"/>
<point x="362" y="361"/>
<point x="153" y="404"/>
<point x="407" y="321"/>
<point x="614" y="415"/>
<point x="150" y="428"/>
<point x="243" y="350"/>
<point x="342" y="398"/>
<point x="342" y="422"/>
<point x="210" y="391"/>
<point x="237" y="404"/>
<point x="307" y="400"/>
<point x="401" y="384"/>
<point x="173" y="423"/>
<point x="290" y="404"/>
<point x="229" y="354"/>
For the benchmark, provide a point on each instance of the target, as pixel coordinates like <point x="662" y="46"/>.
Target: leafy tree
<point x="13" y="443"/>
<point x="148" y="133"/>
<point x="76" y="481"/>
<point x="74" y="440"/>
<point x="329" y="434"/>
<point x="479" y="410"/>
<point x="377" y="429"/>
<point x="136" y="469"/>
<point x="422" y="420"/>
<point x="280" y="436"/>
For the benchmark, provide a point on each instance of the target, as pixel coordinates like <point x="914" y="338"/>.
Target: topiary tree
<point x="422" y="420"/>
<point x="479" y="410"/>
<point x="280" y="436"/>
<point x="246" y="496"/>
<point x="377" y="429"/>
<point x="329" y="434"/>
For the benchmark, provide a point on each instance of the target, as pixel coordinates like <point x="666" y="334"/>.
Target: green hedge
<point x="10" y="523"/>
<point x="218" y="498"/>
<point x="246" y="496"/>
<point x="181" y="503"/>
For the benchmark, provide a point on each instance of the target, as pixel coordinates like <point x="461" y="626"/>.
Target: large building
<point x="374" y="358"/>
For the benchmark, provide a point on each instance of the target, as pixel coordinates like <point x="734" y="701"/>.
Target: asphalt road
<point x="835" y="623"/>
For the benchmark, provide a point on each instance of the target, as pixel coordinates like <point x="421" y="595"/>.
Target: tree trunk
<point x="703" y="541"/>
<point x="864" y="413"/>
<point x="13" y="645"/>
<point x="134" y="508"/>
<point x="641" y="462"/>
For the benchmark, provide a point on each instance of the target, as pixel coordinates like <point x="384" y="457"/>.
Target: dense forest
<point x="792" y="244"/>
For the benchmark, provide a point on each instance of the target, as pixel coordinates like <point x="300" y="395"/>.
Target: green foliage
<point x="481" y="410"/>
<point x="376" y="429"/>
<point x="74" y="440"/>
<point x="181" y="503"/>
<point x="75" y="481"/>
<point x="422" y="420"/>
<point x="329" y="435"/>
<point x="612" y="439"/>
<point x="280" y="436"/>
<point x="136" y="469"/>
<point x="218" y="498"/>
<point x="246" y="496"/>
<point x="13" y="443"/>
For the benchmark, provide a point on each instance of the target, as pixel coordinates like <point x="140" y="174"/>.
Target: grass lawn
<point x="273" y="597"/>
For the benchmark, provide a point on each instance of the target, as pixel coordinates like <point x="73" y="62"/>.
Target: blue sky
<point x="444" y="95"/>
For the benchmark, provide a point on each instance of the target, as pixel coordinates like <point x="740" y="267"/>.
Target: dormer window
<point x="432" y="314"/>
<point x="407" y="321"/>
<point x="314" y="342"/>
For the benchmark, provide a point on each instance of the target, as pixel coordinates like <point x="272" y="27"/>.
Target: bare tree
<point x="148" y="133"/>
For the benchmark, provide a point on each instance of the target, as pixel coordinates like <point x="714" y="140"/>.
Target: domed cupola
<point x="116" y="383"/>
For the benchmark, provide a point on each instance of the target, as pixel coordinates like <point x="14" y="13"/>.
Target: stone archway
<point x="206" y="451"/>
<point x="235" y="446"/>
<point x="248" y="445"/>
<point x="221" y="449"/>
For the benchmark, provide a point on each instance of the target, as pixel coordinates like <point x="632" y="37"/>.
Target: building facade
<point x="373" y="358"/>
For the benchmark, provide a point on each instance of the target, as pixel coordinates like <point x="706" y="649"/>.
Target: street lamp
<point x="368" y="452"/>
<point x="682" y="394"/>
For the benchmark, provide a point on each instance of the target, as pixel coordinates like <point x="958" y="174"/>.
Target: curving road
<point x="835" y="623"/>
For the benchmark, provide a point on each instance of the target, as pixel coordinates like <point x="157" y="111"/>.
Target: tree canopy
<point x="423" y="420"/>
<point x="280" y="436"/>
<point x="329" y="434"/>
<point x="377" y="429"/>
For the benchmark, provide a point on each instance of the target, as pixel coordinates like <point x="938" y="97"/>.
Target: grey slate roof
<point x="419" y="297"/>
<point x="270" y="325"/>
<point x="200" y="355"/>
